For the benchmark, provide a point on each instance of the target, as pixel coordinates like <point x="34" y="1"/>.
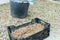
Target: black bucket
<point x="19" y="9"/>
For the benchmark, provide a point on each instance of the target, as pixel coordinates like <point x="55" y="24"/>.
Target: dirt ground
<point x="43" y="9"/>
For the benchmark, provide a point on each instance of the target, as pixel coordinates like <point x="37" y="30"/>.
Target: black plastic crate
<point x="38" y="36"/>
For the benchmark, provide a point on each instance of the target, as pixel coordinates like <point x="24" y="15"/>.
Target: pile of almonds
<point x="27" y="31"/>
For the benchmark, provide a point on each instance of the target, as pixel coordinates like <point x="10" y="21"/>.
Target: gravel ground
<point x="45" y="10"/>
